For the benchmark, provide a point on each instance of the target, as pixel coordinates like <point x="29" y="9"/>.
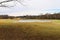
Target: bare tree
<point x="2" y="3"/>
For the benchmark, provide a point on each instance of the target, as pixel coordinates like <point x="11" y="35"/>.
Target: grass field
<point x="29" y="30"/>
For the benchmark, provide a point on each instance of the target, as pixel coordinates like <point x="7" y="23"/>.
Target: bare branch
<point x="6" y="1"/>
<point x="10" y="1"/>
<point x="20" y="2"/>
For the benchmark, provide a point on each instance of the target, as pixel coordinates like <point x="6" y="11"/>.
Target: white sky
<point x="32" y="7"/>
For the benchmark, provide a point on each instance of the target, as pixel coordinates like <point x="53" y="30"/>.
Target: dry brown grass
<point x="29" y="31"/>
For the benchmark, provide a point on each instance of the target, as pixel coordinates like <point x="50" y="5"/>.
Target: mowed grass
<point x="10" y="30"/>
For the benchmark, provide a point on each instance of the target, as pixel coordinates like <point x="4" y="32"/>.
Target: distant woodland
<point x="45" y="16"/>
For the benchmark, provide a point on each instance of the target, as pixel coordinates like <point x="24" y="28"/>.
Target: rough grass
<point x="29" y="31"/>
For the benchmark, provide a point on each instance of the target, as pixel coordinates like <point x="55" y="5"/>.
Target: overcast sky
<point x="32" y="7"/>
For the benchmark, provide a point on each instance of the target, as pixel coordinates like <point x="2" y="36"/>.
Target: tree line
<point x="45" y="16"/>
